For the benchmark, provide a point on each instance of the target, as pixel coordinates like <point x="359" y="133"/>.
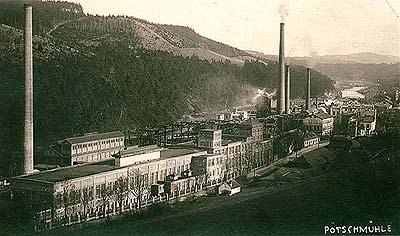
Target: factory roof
<point x="94" y="137"/>
<point x="136" y="150"/>
<point x="322" y="115"/>
<point x="72" y="172"/>
<point x="367" y="119"/>
<point x="228" y="141"/>
<point x="310" y="135"/>
<point x="251" y="122"/>
<point x="176" y="152"/>
<point x="207" y="155"/>
<point x="209" y="130"/>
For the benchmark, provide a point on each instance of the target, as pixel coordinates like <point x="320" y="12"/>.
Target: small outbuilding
<point x="229" y="188"/>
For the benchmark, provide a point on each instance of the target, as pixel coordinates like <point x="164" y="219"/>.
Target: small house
<point x="229" y="188"/>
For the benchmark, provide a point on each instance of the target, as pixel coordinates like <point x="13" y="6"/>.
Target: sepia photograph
<point x="199" y="117"/>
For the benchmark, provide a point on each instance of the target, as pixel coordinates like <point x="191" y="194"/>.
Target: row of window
<point x="216" y="172"/>
<point x="94" y="157"/>
<point x="215" y="161"/>
<point x="97" y="143"/>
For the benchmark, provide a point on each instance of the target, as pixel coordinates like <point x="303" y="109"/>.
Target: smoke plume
<point x="283" y="11"/>
<point x="263" y="93"/>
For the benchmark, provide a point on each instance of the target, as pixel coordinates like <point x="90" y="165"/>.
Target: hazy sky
<point x="312" y="26"/>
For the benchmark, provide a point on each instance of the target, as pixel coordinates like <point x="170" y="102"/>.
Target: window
<point x="98" y="190"/>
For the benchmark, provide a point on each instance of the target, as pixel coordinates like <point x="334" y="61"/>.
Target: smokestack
<point x="287" y="100"/>
<point x="281" y="97"/>
<point x="28" y="127"/>
<point x="308" y="101"/>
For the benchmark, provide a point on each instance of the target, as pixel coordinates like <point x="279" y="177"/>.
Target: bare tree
<point x="136" y="185"/>
<point x="85" y="197"/>
<point x="67" y="197"/>
<point x="121" y="188"/>
<point x="176" y="189"/>
<point x="197" y="182"/>
<point x="105" y="193"/>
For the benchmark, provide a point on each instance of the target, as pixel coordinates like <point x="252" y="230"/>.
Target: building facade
<point x="88" y="148"/>
<point x="321" y="124"/>
<point x="213" y="166"/>
<point x="210" y="138"/>
<point x="90" y="191"/>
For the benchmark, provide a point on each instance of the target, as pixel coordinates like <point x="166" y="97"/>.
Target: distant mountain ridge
<point x="366" y="67"/>
<point x="363" y="58"/>
<point x="353" y="58"/>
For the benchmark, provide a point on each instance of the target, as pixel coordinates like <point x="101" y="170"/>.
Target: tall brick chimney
<point x="281" y="94"/>
<point x="308" y="99"/>
<point x="287" y="96"/>
<point x="28" y="125"/>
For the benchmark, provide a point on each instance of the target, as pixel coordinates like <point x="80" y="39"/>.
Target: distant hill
<point x="178" y="40"/>
<point x="388" y="74"/>
<point x="361" y="58"/>
<point x="367" y="67"/>
<point x="354" y="58"/>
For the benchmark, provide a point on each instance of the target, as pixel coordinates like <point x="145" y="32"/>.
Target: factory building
<point x="209" y="138"/>
<point x="319" y="123"/>
<point x="249" y="131"/>
<point x="392" y="122"/>
<point x="93" y="190"/>
<point x="348" y="107"/>
<point x="136" y="176"/>
<point x="91" y="147"/>
<point x="310" y="139"/>
<point x="361" y="126"/>
<point x="213" y="166"/>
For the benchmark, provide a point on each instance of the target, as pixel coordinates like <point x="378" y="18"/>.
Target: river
<point x="353" y="92"/>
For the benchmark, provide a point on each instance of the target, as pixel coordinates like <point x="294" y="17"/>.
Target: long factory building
<point x="138" y="176"/>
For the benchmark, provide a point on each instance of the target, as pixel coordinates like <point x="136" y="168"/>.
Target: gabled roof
<point x="94" y="137"/>
<point x="235" y="184"/>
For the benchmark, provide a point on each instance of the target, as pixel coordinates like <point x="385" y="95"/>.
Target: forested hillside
<point x="94" y="73"/>
<point x="47" y="14"/>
